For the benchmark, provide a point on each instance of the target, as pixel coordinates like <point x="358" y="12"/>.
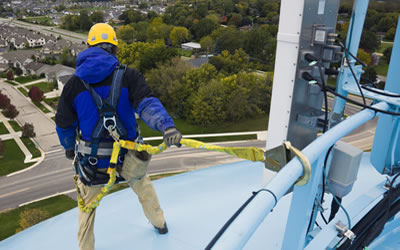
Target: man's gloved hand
<point x="172" y="136"/>
<point x="70" y="154"/>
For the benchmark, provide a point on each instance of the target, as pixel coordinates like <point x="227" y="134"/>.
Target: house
<point x="3" y="67"/>
<point x="77" y="48"/>
<point x="33" y="67"/>
<point x="35" y="40"/>
<point x="53" y="72"/>
<point x="18" y="42"/>
<point x="191" y="46"/>
<point x="62" y="80"/>
<point x="18" y="59"/>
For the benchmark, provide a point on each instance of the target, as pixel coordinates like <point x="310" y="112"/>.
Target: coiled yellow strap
<point x="247" y="153"/>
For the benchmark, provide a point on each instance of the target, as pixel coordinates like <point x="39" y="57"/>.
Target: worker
<point x="99" y="100"/>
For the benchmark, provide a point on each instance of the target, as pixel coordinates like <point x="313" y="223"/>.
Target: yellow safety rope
<point x="247" y="153"/>
<point x="106" y="188"/>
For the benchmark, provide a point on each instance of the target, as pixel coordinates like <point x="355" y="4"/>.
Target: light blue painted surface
<point x="254" y="214"/>
<point x="386" y="127"/>
<point x="366" y="193"/>
<point x="301" y="209"/>
<point x="196" y="205"/>
<point x="353" y="40"/>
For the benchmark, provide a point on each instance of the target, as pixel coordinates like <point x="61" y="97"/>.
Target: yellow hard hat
<point x="102" y="33"/>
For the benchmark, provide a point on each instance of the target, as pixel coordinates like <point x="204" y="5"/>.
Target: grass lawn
<point x="183" y="52"/>
<point x="52" y="102"/>
<point x="13" y="159"/>
<point x="384" y="46"/>
<point x="332" y="81"/>
<point x="41" y="107"/>
<point x="54" y="206"/>
<point x="11" y="82"/>
<point x="3" y="129"/>
<point x="23" y="91"/>
<point x="254" y="124"/>
<point x="31" y="147"/>
<point x="44" y="86"/>
<point x="382" y="69"/>
<point x="25" y="79"/>
<point x="15" y="125"/>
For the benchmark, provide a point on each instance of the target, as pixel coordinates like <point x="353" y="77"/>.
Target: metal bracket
<point x="344" y="231"/>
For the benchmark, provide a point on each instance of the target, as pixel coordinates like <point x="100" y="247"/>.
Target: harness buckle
<point x="92" y="160"/>
<point x="109" y="123"/>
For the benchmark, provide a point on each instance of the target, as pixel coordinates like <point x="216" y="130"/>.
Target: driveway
<point x="45" y="127"/>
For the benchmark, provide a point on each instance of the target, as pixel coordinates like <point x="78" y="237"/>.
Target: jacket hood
<point x="94" y="65"/>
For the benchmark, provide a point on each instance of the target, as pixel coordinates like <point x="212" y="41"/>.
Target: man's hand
<point x="70" y="154"/>
<point x="172" y="136"/>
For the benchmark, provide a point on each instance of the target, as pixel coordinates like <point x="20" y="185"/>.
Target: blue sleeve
<point x="153" y="113"/>
<point x="67" y="136"/>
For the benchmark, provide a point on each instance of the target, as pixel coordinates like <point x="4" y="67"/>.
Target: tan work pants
<point x="134" y="172"/>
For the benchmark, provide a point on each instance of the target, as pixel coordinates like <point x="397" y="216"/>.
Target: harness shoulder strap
<point x="107" y="109"/>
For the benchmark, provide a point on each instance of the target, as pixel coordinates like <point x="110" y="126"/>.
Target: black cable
<point x="236" y="214"/>
<point x="379" y="92"/>
<point x="325" y="97"/>
<point x="394" y="179"/>
<point x="324" y="179"/>
<point x="346" y="50"/>
<point x="346" y="56"/>
<point x="360" y="104"/>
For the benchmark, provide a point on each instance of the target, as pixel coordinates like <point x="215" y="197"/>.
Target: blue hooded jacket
<point x="76" y="108"/>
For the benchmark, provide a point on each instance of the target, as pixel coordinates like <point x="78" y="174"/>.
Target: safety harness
<point x="108" y="125"/>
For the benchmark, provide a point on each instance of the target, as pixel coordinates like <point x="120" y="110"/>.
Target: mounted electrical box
<point x="344" y="168"/>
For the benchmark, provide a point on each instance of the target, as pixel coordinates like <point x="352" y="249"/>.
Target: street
<point x="54" y="174"/>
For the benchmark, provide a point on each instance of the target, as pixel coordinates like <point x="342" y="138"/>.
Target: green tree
<point x="387" y="54"/>
<point x="236" y="20"/>
<point x="158" y="30"/>
<point x="166" y="80"/>
<point x="260" y="44"/>
<point x="369" y="75"/>
<point x="207" y="44"/>
<point x="179" y="35"/>
<point x="207" y="104"/>
<point x="140" y="31"/>
<point x="203" y="28"/>
<point x="228" y="39"/>
<point x="84" y="21"/>
<point x="385" y="23"/>
<point x="126" y="33"/>
<point x="390" y="34"/>
<point x="151" y="57"/>
<point x="364" y="56"/>
<point x="230" y="64"/>
<point x="97" y="17"/>
<point x="143" y="5"/>
<point x="369" y="41"/>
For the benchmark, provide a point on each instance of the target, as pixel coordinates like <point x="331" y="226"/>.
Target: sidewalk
<point x="45" y="130"/>
<point x="16" y="137"/>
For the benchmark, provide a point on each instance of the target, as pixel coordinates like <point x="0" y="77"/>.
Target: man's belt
<point x="105" y="148"/>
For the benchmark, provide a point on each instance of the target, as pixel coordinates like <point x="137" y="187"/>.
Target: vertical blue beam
<point x="386" y="142"/>
<point x="301" y="209"/>
<point x="353" y="41"/>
